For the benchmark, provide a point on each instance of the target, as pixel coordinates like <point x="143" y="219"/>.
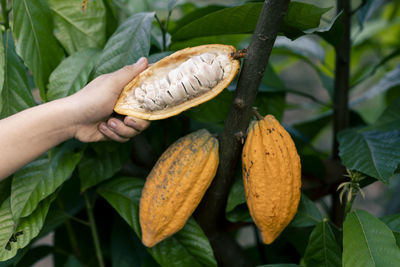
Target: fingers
<point x="137" y="124"/>
<point x="124" y="75"/>
<point x="119" y="131"/>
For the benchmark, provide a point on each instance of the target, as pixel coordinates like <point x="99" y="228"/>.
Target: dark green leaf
<point x="97" y="167"/>
<point x="271" y="82"/>
<point x="36" y="44"/>
<point x="77" y="29"/>
<point x="26" y="229"/>
<point x="374" y="150"/>
<point x="188" y="247"/>
<point x="236" y="208"/>
<point x="279" y="265"/>
<point x="194" y="15"/>
<point x="322" y="249"/>
<point x="2" y="67"/>
<point x="72" y="261"/>
<point x="236" y="40"/>
<point x="368" y="242"/>
<point x="271" y="103"/>
<point x="41" y="178"/>
<point x="130" y="42"/>
<point x="213" y="111"/>
<point x="307" y="213"/>
<point x="72" y="74"/>
<point x="391" y="113"/>
<point x="126" y="248"/>
<point x="242" y="19"/>
<point x="158" y="56"/>
<point x="16" y="94"/>
<point x="35" y="254"/>
<point x="333" y="31"/>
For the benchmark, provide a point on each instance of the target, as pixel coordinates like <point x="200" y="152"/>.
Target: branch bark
<point x="210" y="213"/>
<point x="341" y="97"/>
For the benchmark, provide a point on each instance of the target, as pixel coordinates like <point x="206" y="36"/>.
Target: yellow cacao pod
<point x="271" y="176"/>
<point x="176" y="184"/>
<point x="178" y="82"/>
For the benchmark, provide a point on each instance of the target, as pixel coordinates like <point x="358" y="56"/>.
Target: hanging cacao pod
<point x="176" y="184"/>
<point x="178" y="82"/>
<point x="271" y="176"/>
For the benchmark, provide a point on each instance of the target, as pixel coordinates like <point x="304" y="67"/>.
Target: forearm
<point x="28" y="134"/>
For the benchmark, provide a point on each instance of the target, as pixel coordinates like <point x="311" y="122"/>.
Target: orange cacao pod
<point x="176" y="184"/>
<point x="271" y="176"/>
<point x="178" y="82"/>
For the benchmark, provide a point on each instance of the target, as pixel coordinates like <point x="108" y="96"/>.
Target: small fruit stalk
<point x="176" y="185"/>
<point x="272" y="176"/>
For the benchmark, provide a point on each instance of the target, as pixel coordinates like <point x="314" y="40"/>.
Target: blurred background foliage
<point x="65" y="44"/>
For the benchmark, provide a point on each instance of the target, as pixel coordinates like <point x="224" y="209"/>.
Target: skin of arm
<point x="84" y="115"/>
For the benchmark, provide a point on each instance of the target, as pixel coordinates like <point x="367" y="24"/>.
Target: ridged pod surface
<point x="272" y="176"/>
<point x="185" y="79"/>
<point x="176" y="184"/>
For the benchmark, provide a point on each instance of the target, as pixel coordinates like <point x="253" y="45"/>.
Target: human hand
<point x="95" y="102"/>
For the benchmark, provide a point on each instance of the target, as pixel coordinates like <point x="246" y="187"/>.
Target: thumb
<point x="124" y="75"/>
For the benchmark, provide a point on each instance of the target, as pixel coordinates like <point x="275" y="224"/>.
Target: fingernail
<point x="130" y="122"/>
<point x="141" y="61"/>
<point x="112" y="124"/>
<point x="103" y="127"/>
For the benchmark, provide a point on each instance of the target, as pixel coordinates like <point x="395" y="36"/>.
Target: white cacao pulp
<point x="185" y="79"/>
<point x="193" y="77"/>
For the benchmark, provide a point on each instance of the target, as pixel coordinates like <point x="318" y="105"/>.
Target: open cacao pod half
<point x="178" y="82"/>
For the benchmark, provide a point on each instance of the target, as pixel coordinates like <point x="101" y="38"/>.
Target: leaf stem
<point x="5" y="14"/>
<point x="71" y="233"/>
<point x="93" y="228"/>
<point x="164" y="32"/>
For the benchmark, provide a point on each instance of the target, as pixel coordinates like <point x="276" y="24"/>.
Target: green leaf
<point x="6" y="223"/>
<point x="188" y="247"/>
<point x="41" y="178"/>
<point x="391" y="79"/>
<point x="77" y="29"/>
<point x="391" y="113"/>
<point x="236" y="195"/>
<point x="97" y="167"/>
<point x="373" y="150"/>
<point x="242" y="19"/>
<point x="2" y="67"/>
<point x="279" y="265"/>
<point x="271" y="82"/>
<point x="36" y="44"/>
<point x="323" y="249"/>
<point x="72" y="74"/>
<point x="236" y="208"/>
<point x="130" y="42"/>
<point x="26" y="229"/>
<point x="368" y="242"/>
<point x="367" y="10"/>
<point x="307" y="213"/>
<point x="16" y="94"/>
<point x="393" y="222"/>
<point x="304" y="47"/>
<point x="126" y="248"/>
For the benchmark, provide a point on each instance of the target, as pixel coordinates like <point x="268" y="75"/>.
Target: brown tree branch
<point x="341" y="97"/>
<point x="211" y="211"/>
